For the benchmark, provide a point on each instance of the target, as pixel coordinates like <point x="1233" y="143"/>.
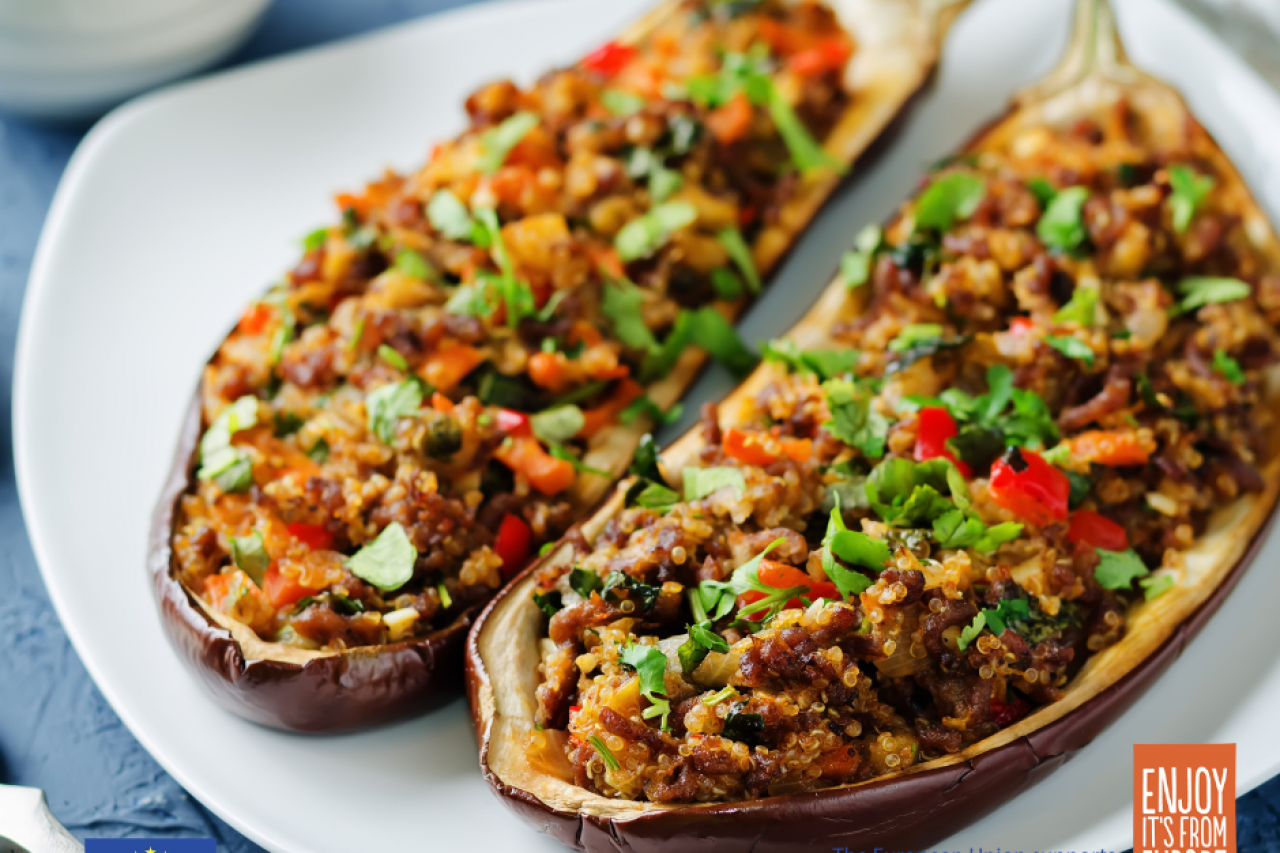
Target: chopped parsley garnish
<point x="854" y="417"/>
<point x="650" y="665"/>
<point x="319" y="452"/>
<point x="548" y="602"/>
<point x="496" y="142"/>
<point x="656" y="497"/>
<point x="391" y="357"/>
<point x="1081" y="309"/>
<point x="1154" y="586"/>
<point x="385" y="405"/>
<point x="1228" y="367"/>
<point x="644" y="594"/>
<point x="742" y="727"/>
<point x="1118" y="569"/>
<point x="1189" y="190"/>
<point x="644" y="406"/>
<point x="959" y="529"/>
<point x="1042" y="190"/>
<point x="387" y="561"/>
<point x="250" y="555"/>
<point x="854" y="547"/>
<point x="948" y="199"/>
<point x="315" y="240"/>
<point x="913" y="334"/>
<point x="855" y="265"/>
<point x="996" y="619"/>
<point x="606" y="755"/>
<point x="286" y="424"/>
<point x="1061" y="226"/>
<point x="621" y="103"/>
<point x="1071" y="348"/>
<point x="231" y="468"/>
<point x="701" y="482"/>
<point x="414" y="265"/>
<point x="515" y="294"/>
<point x="643" y="236"/>
<point x="623" y="304"/>
<point x="645" y="462"/>
<point x="824" y="364"/>
<point x="448" y="215"/>
<point x="740" y="254"/>
<point x="559" y="451"/>
<point x="585" y="581"/>
<point x="1199" y="290"/>
<point x="558" y="425"/>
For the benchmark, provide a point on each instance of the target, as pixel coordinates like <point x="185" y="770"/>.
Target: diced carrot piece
<point x="448" y="366"/>
<point x="548" y="370"/>
<point x="606" y="414"/>
<point x="441" y="403"/>
<point x="546" y="473"/>
<point x="256" y="318"/>
<point x="753" y="448"/>
<point x="798" y="449"/>
<point x="1112" y="447"/>
<point x="730" y="121"/>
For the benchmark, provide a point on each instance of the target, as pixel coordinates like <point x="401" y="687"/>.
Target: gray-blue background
<point x="56" y="731"/>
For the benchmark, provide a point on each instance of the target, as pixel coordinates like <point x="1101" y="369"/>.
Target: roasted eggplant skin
<point x="888" y="813"/>
<point x="356" y="689"/>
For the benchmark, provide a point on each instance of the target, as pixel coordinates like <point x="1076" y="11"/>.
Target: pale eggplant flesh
<point x="329" y="691"/>
<point x="909" y="810"/>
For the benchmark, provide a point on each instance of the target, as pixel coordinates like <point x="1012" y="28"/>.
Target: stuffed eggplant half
<point x="467" y="359"/>
<point x="973" y="505"/>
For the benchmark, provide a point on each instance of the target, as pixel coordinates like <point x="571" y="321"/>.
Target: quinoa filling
<point x="916" y="537"/>
<point x="397" y="426"/>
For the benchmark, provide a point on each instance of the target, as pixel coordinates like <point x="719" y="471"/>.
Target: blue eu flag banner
<point x="150" y="845"/>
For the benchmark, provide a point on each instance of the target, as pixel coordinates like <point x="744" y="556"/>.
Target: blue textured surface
<point x="56" y="731"/>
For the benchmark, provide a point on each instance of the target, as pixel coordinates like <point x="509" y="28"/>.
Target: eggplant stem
<point x="1095" y="50"/>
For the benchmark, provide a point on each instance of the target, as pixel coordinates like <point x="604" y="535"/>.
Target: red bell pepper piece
<point x="1003" y="714"/>
<point x="313" y="536"/>
<point x="934" y="428"/>
<point x="1097" y="530"/>
<point x="609" y="59"/>
<point x="283" y="589"/>
<point x="513" y="422"/>
<point x="1023" y="483"/>
<point x="827" y="55"/>
<point x="514" y="542"/>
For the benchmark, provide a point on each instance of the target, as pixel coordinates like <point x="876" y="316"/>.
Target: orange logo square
<point x="1184" y="798"/>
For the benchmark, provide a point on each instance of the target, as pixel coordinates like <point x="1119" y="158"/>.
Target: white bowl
<point x="73" y="59"/>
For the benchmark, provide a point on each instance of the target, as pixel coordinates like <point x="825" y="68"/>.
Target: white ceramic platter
<point x="180" y="207"/>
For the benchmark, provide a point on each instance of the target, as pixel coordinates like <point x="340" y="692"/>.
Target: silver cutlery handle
<point x="27" y="823"/>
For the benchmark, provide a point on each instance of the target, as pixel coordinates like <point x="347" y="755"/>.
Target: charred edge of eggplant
<point x="355" y="689"/>
<point x="886" y="813"/>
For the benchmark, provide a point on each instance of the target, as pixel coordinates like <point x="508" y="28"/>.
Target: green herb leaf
<point x="448" y="215"/>
<point x="585" y="581"/>
<point x="1154" y="586"/>
<point x="1228" y="367"/>
<point x="315" y="240"/>
<point x="701" y="482"/>
<point x="997" y="619"/>
<point x="663" y="183"/>
<point x="951" y="197"/>
<point x="690" y="655"/>
<point x="743" y="727"/>
<point x="1118" y="569"/>
<point x="1082" y="308"/>
<point x="643" y="236"/>
<point x="656" y="497"/>
<point x="708" y="329"/>
<point x="644" y="406"/>
<point x="914" y="334"/>
<point x="548" y="602"/>
<point x="517" y="295"/>
<point x="606" y="755"/>
<point x="559" y="451"/>
<point x="855" y="265"/>
<point x="650" y="665"/>
<point x="319" y="452"/>
<point x="807" y="154"/>
<point x="623" y="304"/>
<point x="1042" y="190"/>
<point x="702" y="634"/>
<point x="558" y="425"/>
<point x="621" y="103"/>
<point x="1071" y="348"/>
<point x="1062" y="224"/>
<point x="496" y="142"/>
<point x="387" y="561"/>
<point x="645" y="462"/>
<point x="642" y="593"/>
<point x="1202" y="290"/>
<point x="854" y="418"/>
<point x="746" y="577"/>
<point x="414" y="265"/>
<point x="250" y="555"/>
<point x="391" y="357"/>
<point x="740" y="254"/>
<point x="385" y="405"/>
<point x="1189" y="190"/>
<point x="847" y="581"/>
<point x="825" y="364"/>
